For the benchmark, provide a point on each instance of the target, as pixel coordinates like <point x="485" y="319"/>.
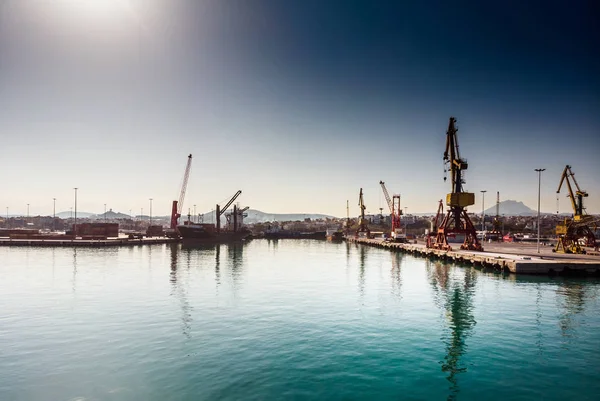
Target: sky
<point x="299" y="104"/>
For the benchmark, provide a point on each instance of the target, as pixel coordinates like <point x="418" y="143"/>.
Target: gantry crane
<point x="395" y="213"/>
<point x="577" y="232"/>
<point x="219" y="211"/>
<point x="178" y="205"/>
<point x="456" y="221"/>
<point x="362" y="222"/>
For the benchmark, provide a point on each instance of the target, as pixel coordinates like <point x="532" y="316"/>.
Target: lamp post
<point x="150" y="211"/>
<point x="105" y="213"/>
<point x="195" y="218"/>
<point x="539" y="171"/>
<point x="75" y="225"/>
<point x="483" y="211"/>
<point x="54" y="215"/>
<point x="6" y="216"/>
<point x="28" y="212"/>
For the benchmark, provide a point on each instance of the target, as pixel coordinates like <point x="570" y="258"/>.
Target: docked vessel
<point x="207" y="233"/>
<point x="334" y="235"/>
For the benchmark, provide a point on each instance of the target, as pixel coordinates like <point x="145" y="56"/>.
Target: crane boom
<point x="178" y="205"/>
<point x="233" y="198"/>
<point x="186" y="176"/>
<point x="387" y="196"/>
<point x="577" y="197"/>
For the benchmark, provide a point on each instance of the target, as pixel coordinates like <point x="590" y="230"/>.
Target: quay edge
<point x="513" y="263"/>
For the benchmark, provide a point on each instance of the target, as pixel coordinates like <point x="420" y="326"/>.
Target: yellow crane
<point x="577" y="232"/>
<point x="456" y="221"/>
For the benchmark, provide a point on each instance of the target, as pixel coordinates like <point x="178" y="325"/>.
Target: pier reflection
<point x="455" y="296"/>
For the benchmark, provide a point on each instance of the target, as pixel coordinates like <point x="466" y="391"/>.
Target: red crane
<point x="395" y="212"/>
<point x="456" y="221"/>
<point x="178" y="205"/>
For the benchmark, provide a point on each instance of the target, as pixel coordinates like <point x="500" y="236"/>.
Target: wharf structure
<point x="502" y="257"/>
<point x="70" y="242"/>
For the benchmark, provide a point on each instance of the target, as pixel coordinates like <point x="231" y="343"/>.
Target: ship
<point x="198" y="232"/>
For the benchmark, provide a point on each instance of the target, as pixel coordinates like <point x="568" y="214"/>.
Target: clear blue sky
<point x="296" y="103"/>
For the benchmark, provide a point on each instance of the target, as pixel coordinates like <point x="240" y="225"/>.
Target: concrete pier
<point x="121" y="241"/>
<point x="513" y="258"/>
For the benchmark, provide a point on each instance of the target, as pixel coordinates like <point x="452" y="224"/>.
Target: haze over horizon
<point x="298" y="104"/>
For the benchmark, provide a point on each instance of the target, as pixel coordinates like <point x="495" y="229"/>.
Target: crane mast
<point x="576" y="233"/>
<point x="362" y="223"/>
<point x="456" y="221"/>
<point x="178" y="205"/>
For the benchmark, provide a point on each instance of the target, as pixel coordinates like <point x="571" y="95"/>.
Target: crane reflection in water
<point x="455" y="296"/>
<point x="572" y="295"/>
<point x="395" y="272"/>
<point x="179" y="292"/>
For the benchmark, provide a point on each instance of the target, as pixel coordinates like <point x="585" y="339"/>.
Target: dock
<point x="502" y="257"/>
<point x="92" y="243"/>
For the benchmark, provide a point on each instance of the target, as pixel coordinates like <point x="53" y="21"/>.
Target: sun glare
<point x="99" y="9"/>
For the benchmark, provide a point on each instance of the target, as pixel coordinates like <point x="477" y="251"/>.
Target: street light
<point x="483" y="211"/>
<point x="105" y="213"/>
<point x="150" y="211"/>
<point x="195" y="214"/>
<point x="54" y="215"/>
<point x="539" y="171"/>
<point x="28" y="212"/>
<point x="75" y="225"/>
<point x="6" y="216"/>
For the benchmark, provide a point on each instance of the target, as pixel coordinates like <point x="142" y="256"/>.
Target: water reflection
<point x="572" y="295"/>
<point x="395" y="273"/>
<point x="180" y="292"/>
<point x="218" y="266"/>
<point x="362" y="250"/>
<point x="235" y="255"/>
<point x="455" y="297"/>
<point x="74" y="269"/>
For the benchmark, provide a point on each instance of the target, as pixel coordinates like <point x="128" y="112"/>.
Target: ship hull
<point x="199" y="234"/>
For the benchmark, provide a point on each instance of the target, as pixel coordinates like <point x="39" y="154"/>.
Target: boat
<point x="198" y="232"/>
<point x="334" y="235"/>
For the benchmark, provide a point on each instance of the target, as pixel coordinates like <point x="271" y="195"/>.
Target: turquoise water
<point x="288" y="319"/>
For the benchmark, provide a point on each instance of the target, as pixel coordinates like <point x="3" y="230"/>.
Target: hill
<point x="511" y="208"/>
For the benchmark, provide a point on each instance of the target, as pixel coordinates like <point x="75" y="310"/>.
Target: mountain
<point x="511" y="208"/>
<point x="110" y="215"/>
<point x="69" y="214"/>
<point x="256" y="216"/>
